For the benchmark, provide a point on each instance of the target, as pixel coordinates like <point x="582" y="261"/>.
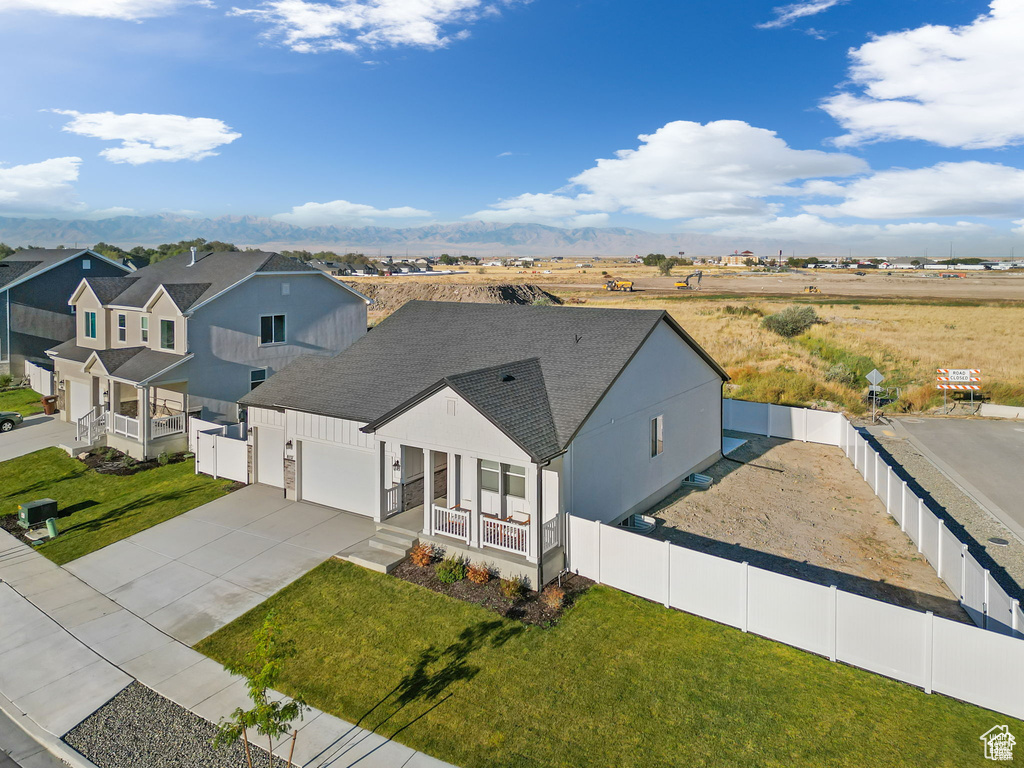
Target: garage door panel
<point x="81" y="399"/>
<point x="338" y="477"/>
<point x="270" y="456"/>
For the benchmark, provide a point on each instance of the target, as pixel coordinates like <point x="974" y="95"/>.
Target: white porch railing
<point x="126" y="426"/>
<point x="552" y="532"/>
<point x="168" y="425"/>
<point x="451" y="522"/>
<point x="91" y="425"/>
<point x="504" y="534"/>
<point x="393" y="500"/>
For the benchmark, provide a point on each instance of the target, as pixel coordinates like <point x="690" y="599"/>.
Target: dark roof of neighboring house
<point x="189" y="285"/>
<point x="106" y="288"/>
<point x="71" y="351"/>
<point x="561" y="361"/>
<point x="23" y="263"/>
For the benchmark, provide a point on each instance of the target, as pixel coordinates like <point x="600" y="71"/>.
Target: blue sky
<point x="864" y="122"/>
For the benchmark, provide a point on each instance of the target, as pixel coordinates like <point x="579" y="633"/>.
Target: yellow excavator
<point x="619" y="285"/>
<point x="685" y="282"/>
<point x="811" y="289"/>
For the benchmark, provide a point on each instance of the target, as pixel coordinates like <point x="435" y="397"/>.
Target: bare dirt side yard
<point x="801" y="509"/>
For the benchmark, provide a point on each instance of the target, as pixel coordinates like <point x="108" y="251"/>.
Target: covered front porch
<point x="484" y="507"/>
<point x="142" y="420"/>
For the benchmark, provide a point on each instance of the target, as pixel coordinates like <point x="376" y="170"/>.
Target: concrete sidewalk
<point x="68" y="649"/>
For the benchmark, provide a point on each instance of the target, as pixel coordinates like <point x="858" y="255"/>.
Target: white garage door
<point x="270" y="456"/>
<point x="338" y="477"/>
<point x="81" y="399"/>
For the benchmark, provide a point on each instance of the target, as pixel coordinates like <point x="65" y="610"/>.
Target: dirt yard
<point x="801" y="509"/>
<point x="389" y="296"/>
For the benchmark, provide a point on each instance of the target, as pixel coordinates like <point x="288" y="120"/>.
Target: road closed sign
<point x="958" y="375"/>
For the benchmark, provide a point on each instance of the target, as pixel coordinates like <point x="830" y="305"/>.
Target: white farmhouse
<point x="482" y="433"/>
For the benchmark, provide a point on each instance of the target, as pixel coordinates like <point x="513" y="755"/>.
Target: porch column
<point x="471" y="496"/>
<point x="428" y="492"/>
<point x="536" y="510"/>
<point x="381" y="492"/>
<point x="145" y="426"/>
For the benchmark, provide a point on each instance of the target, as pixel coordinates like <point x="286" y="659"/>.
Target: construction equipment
<point x="619" y="285"/>
<point x="686" y="281"/>
<point x="811" y="289"/>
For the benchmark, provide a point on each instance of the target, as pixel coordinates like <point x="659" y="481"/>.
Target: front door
<point x="81" y="399"/>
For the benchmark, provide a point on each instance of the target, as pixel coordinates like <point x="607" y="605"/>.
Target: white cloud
<point x="809" y="228"/>
<point x="952" y="86"/>
<point x="683" y="170"/>
<point x="149" y="138"/>
<point x="344" y="213"/>
<point x="1019" y="229"/>
<point x="43" y="187"/>
<point x="787" y="14"/>
<point x="128" y="10"/>
<point x="352" y="25"/>
<point x="946" y="189"/>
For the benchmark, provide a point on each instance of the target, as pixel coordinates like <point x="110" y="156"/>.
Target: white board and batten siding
<point x="326" y="429"/>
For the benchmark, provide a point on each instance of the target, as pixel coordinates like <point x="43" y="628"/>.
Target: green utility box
<point x="33" y="513"/>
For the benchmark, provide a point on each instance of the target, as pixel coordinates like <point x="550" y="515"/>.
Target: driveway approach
<point x="985" y="458"/>
<point x="192" y="575"/>
<point x="37" y="432"/>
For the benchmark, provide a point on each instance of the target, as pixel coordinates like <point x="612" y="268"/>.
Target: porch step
<point x="76" y="447"/>
<point x="372" y="558"/>
<point x="401" y="539"/>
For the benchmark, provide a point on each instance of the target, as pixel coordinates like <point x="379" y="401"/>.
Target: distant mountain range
<point x="473" y="238"/>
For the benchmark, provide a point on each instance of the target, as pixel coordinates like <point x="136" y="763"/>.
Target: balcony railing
<point x="126" y="426"/>
<point x="393" y="500"/>
<point x="552" y="533"/>
<point x="168" y="425"/>
<point x="505" y="534"/>
<point x="451" y="522"/>
<point x="131" y="427"/>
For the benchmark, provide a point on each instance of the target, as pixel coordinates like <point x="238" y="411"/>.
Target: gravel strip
<point x="139" y="728"/>
<point x="969" y="522"/>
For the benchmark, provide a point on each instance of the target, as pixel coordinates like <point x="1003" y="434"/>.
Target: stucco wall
<point x="322" y="318"/>
<point x="609" y="468"/>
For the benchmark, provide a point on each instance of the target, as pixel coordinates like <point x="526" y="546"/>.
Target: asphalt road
<point x="985" y="458"/>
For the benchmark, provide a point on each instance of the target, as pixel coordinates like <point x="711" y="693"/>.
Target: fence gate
<point x="206" y="454"/>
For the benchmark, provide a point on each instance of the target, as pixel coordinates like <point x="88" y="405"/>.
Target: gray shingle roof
<point x="113" y="359"/>
<point x="212" y="273"/>
<point x="106" y="288"/>
<point x="22" y="263"/>
<point x="71" y="351"/>
<point x="146" y="364"/>
<point x="11" y="270"/>
<point x="564" y="360"/>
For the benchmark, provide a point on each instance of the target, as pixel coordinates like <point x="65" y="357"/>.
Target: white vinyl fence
<point x="222" y="450"/>
<point x="936" y="654"/>
<point x="40" y="378"/>
<point x="986" y="602"/>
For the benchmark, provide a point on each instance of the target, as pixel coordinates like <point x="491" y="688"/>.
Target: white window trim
<point x="144" y="329"/>
<point x="122" y="327"/>
<point x="95" y="330"/>
<point x="274" y="343"/>
<point x="160" y="341"/>
<point x="657" y="427"/>
<point x="254" y="384"/>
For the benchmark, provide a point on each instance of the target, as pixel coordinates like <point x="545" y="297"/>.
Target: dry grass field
<point x="906" y="325"/>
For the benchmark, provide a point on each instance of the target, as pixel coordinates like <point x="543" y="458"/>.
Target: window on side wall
<point x="144" y="329"/>
<point x="490" y="476"/>
<point x="86" y="264"/>
<point x="272" y="329"/>
<point x="515" y="481"/>
<point x="657" y="436"/>
<point x="256" y="378"/>
<point x="90" y="325"/>
<point x="166" y="334"/>
<point x="122" y="327"/>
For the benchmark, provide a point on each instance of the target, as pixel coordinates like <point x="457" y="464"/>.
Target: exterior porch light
<point x="397" y="466"/>
<point x="289" y="445"/>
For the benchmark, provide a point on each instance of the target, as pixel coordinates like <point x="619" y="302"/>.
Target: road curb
<point x="52" y="744"/>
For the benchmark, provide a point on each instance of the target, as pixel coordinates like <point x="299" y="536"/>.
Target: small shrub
<point x="841" y="374"/>
<point x="108" y="453"/>
<point x="6" y="380"/>
<point x="512" y="588"/>
<point x="127" y="462"/>
<point x="542" y="301"/>
<point x="743" y="311"/>
<point x="791" y="321"/>
<point x="421" y="555"/>
<point x="478" y="573"/>
<point x="163" y="459"/>
<point x="451" y="569"/>
<point x="553" y="597"/>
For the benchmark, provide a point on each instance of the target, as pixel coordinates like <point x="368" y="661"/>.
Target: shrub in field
<point x="841" y="374"/>
<point x="421" y="555"/>
<point x="553" y="597"/>
<point x="512" y="588"/>
<point x="742" y="311"/>
<point x="451" y="569"/>
<point x="791" y="321"/>
<point x="478" y="573"/>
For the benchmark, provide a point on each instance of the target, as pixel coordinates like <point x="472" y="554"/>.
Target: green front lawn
<point x="24" y="401"/>
<point x="618" y="682"/>
<point x="97" y="510"/>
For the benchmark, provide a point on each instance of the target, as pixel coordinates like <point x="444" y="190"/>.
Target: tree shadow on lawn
<point x="435" y="672"/>
<point x="126" y="511"/>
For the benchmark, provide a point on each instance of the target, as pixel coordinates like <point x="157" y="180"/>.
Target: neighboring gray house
<point x="484" y="431"/>
<point x="35" y="286"/>
<point x="190" y="335"/>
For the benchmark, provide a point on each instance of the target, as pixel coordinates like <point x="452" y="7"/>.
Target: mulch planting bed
<point x="530" y="608"/>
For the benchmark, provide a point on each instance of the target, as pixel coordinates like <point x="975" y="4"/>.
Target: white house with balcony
<point x="189" y="336"/>
<point x="479" y="426"/>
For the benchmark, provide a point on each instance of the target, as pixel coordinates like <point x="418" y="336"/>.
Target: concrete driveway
<point x="983" y="457"/>
<point x="37" y="432"/>
<point x="192" y="575"/>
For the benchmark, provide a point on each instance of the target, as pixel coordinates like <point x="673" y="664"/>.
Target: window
<point x="490" y="476"/>
<point x="256" y="378"/>
<point x="90" y="325"/>
<point x="286" y="288"/>
<point x="657" y="436"/>
<point x="515" y="480"/>
<point x="86" y="263"/>
<point x="144" y="329"/>
<point x="272" y="329"/>
<point x="122" y="327"/>
<point x="166" y="334"/>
